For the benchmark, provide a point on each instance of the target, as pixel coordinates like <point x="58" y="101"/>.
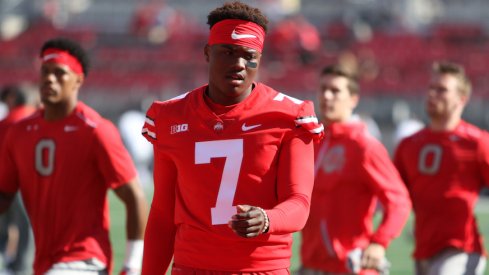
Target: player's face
<point x="232" y="70"/>
<point x="444" y="97"/>
<point x="336" y="103"/>
<point x="59" y="84"/>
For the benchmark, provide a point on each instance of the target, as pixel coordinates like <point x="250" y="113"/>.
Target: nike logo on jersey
<point x="70" y="128"/>
<point x="247" y="128"/>
<point x="236" y="36"/>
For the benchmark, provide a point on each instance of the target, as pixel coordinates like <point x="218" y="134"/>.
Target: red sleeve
<point x="307" y="120"/>
<point x="149" y="127"/>
<point x="483" y="157"/>
<point x="113" y="159"/>
<point x="8" y="170"/>
<point x="160" y="230"/>
<point x="295" y="178"/>
<point x="398" y="162"/>
<point x="391" y="191"/>
<point x="295" y="175"/>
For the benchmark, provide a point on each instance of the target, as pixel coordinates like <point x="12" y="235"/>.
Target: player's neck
<point x="225" y="99"/>
<point x="337" y="120"/>
<point x="59" y="111"/>
<point x="441" y="124"/>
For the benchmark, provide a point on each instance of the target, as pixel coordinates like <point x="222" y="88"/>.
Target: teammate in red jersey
<point x="445" y="165"/>
<point x="63" y="159"/>
<point x="234" y="162"/>
<point x="21" y="103"/>
<point x="353" y="172"/>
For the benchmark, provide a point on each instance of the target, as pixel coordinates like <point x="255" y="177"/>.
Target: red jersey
<point x="353" y="170"/>
<point x="14" y="116"/>
<point x="444" y="172"/>
<point x="63" y="169"/>
<point x="206" y="164"/>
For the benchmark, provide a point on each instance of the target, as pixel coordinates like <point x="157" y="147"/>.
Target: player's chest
<point x="184" y="132"/>
<point x="451" y="155"/>
<point x="251" y="143"/>
<point x="338" y="165"/>
<point x="53" y="142"/>
<point x="336" y="158"/>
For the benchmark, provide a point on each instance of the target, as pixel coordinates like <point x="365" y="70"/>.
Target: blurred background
<point x="142" y="50"/>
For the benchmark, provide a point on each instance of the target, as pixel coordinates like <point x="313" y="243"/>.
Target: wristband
<point x="267" y="221"/>
<point x="134" y="254"/>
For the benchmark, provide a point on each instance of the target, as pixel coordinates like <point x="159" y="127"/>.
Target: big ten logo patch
<point x="178" y="128"/>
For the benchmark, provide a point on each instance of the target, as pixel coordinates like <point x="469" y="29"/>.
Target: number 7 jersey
<point x="258" y="153"/>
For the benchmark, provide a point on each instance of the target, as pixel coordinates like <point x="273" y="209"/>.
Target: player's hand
<point x="373" y="256"/>
<point x="129" y="271"/>
<point x="249" y="222"/>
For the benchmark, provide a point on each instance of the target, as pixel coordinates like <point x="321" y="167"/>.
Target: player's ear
<point x="79" y="79"/>
<point x="355" y="98"/>
<point x="207" y="48"/>
<point x="464" y="99"/>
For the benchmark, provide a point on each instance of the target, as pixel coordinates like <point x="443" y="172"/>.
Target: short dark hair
<point x="456" y="70"/>
<point x="70" y="46"/>
<point x="237" y="10"/>
<point x="16" y="92"/>
<point x="339" y="70"/>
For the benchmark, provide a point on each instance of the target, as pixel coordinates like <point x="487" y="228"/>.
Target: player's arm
<point x="483" y="157"/>
<point x="132" y="196"/>
<point x="398" y="162"/>
<point x="392" y="193"/>
<point x="119" y="172"/>
<point x="295" y="178"/>
<point x="8" y="174"/>
<point x="160" y="232"/>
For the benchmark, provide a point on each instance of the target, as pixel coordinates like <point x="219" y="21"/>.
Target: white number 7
<point x="232" y="150"/>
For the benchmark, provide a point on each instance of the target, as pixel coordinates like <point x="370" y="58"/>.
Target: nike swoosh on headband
<point x="236" y="36"/>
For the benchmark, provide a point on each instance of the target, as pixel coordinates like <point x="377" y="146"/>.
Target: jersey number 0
<point x="45" y="165"/>
<point x="433" y="152"/>
<point x="232" y="150"/>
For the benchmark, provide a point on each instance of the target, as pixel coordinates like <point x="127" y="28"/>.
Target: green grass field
<point x="398" y="253"/>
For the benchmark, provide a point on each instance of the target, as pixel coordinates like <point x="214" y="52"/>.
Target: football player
<point x="445" y="165"/>
<point x="63" y="159"/>
<point x="234" y="162"/>
<point x="353" y="173"/>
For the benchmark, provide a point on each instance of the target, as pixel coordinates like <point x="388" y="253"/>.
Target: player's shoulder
<point x="471" y="131"/>
<point x="88" y="117"/>
<point x="27" y="122"/>
<point x="361" y="139"/>
<point x="416" y="137"/>
<point x="285" y="106"/>
<point x="301" y="112"/>
<point x="276" y="100"/>
<point x="172" y="106"/>
<point x="162" y="113"/>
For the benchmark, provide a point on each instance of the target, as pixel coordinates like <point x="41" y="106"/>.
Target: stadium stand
<point x="393" y="59"/>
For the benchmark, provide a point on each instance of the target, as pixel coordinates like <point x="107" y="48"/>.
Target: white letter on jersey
<point x="45" y="169"/>
<point x="428" y="149"/>
<point x="232" y="150"/>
